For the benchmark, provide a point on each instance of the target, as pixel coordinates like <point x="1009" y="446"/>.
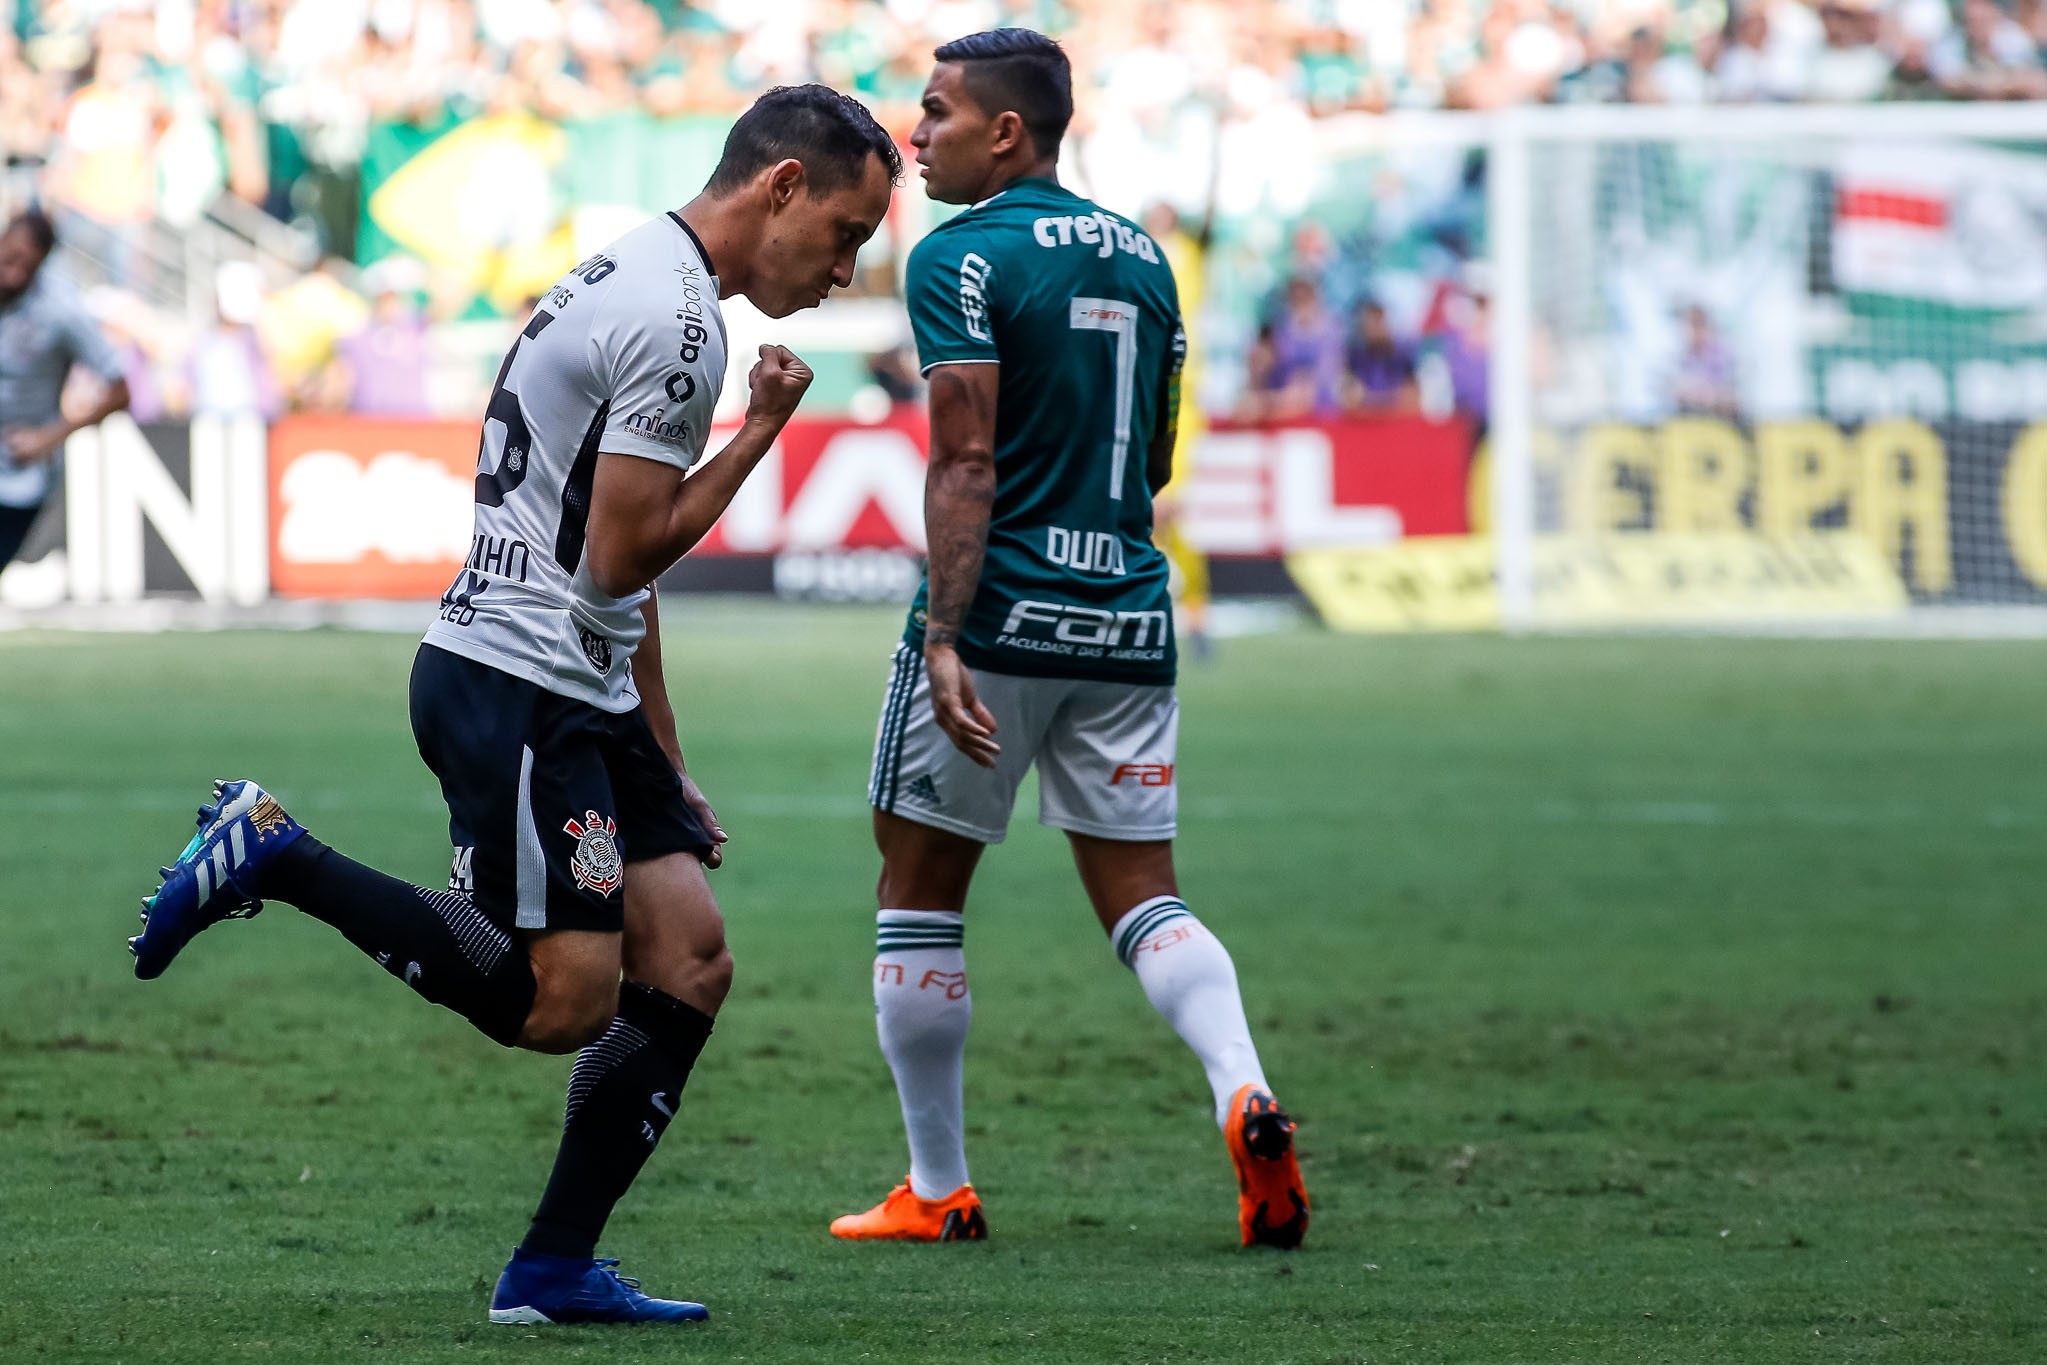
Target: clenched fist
<point x="776" y="385"/>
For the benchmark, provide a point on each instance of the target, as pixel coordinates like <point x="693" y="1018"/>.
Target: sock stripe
<point x="1144" y="923"/>
<point x="915" y="945"/>
<point x="599" y="1060"/>
<point x="481" y="942"/>
<point x="900" y="930"/>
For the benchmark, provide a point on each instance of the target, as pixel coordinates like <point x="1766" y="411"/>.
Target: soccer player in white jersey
<point x="538" y="698"/>
<point x="1050" y="331"/>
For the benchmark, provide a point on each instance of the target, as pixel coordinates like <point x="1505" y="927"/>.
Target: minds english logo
<point x="682" y="385"/>
<point x="655" y="428"/>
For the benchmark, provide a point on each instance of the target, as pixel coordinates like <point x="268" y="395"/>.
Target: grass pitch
<point x="1642" y="1000"/>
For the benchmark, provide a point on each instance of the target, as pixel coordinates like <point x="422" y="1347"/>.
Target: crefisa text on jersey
<point x="1106" y="234"/>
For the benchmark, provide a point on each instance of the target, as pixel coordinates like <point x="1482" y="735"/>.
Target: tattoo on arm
<point x="957" y="502"/>
<point x="959" y="493"/>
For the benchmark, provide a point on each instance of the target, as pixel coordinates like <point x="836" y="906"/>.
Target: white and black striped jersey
<point x="624" y="356"/>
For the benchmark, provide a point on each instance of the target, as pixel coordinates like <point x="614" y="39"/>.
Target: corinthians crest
<point x="595" y="863"/>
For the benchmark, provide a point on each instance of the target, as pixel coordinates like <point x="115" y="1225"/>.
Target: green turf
<point x="1642" y="1000"/>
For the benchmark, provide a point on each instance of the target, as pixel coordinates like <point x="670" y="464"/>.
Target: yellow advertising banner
<point x="1651" y="579"/>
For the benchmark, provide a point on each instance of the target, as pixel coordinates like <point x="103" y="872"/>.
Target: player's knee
<point x="702" y="975"/>
<point x="567" y="1029"/>
<point x="716" y="973"/>
<point x="695" y="968"/>
<point x="568" y="1014"/>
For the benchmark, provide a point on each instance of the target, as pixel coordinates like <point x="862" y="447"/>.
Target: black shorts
<point x="15" y="523"/>
<point x="549" y="799"/>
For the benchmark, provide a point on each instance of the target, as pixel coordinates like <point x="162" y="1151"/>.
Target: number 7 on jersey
<point x="1120" y="318"/>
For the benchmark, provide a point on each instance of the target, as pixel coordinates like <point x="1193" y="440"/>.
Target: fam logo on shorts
<point x="595" y="863"/>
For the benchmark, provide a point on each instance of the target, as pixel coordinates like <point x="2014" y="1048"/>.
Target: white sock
<point x="921" y="1011"/>
<point x="1189" y="978"/>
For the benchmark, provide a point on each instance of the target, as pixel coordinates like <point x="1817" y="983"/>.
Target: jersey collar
<point x="710" y="266"/>
<point x="1027" y="182"/>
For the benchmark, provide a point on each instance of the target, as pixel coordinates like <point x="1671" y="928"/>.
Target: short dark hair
<point x="37" y="225"/>
<point x="830" y="133"/>
<point x="1020" y="71"/>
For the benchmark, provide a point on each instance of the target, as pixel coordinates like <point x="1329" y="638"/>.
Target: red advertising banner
<point x="830" y="486"/>
<point x="1261" y="491"/>
<point x="361" y="507"/>
<point x="367" y="508"/>
<point x="1255" y="491"/>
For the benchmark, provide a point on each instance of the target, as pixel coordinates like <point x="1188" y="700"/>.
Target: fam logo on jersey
<point x="974" y="273"/>
<point x="1096" y="627"/>
<point x="596" y="864"/>
<point x="596" y="649"/>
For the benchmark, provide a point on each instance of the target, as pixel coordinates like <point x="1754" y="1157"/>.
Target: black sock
<point x="625" y="1088"/>
<point x="436" y="942"/>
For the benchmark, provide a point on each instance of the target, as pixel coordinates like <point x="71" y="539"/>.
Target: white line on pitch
<point x="1680" y="812"/>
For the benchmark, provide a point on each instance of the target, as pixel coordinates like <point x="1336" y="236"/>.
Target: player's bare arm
<point x="652" y="682"/>
<point x="37" y="445"/>
<point x="644" y="515"/>
<point x="959" y="495"/>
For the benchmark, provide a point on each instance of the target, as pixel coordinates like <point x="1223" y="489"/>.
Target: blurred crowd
<point x="129" y="115"/>
<point x="141" y="104"/>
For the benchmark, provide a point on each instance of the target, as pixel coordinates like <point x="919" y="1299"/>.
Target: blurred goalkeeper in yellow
<point x="1187" y="253"/>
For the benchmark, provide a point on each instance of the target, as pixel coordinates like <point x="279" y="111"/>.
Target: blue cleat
<point x="240" y="830"/>
<point x="538" y="1288"/>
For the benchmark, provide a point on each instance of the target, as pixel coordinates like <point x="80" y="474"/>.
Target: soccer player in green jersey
<point x="1050" y="332"/>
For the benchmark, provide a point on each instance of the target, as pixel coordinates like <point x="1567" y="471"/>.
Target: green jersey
<point x="1078" y="308"/>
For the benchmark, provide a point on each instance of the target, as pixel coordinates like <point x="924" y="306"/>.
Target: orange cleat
<point x="903" y="1217"/>
<point x="1272" y="1202"/>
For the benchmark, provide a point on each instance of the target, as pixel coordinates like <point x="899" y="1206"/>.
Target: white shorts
<point x="1105" y="753"/>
